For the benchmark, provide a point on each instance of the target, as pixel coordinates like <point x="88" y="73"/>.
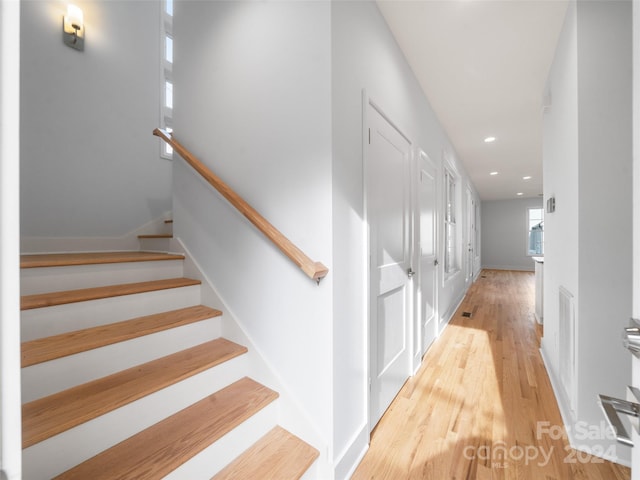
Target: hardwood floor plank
<point x="57" y="346"/>
<point x="481" y="391"/>
<point x="61" y="411"/>
<point x="277" y="455"/>
<point x="92" y="258"/>
<point x="161" y="448"/>
<point x="40" y="300"/>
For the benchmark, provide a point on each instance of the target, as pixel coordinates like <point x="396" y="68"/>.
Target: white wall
<point x="10" y="409"/>
<point x="90" y="166"/>
<point x="605" y="222"/>
<point x="560" y="179"/>
<point x="504" y="233"/>
<point x="366" y="56"/>
<point x="269" y="95"/>
<point x="587" y="167"/>
<point x="253" y="102"/>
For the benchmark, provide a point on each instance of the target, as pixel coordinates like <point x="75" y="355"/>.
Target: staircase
<point x="125" y="375"/>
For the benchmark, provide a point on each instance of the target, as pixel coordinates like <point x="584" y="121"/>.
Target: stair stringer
<point x="291" y="415"/>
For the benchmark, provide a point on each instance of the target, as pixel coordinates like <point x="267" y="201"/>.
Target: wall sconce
<point x="73" y="28"/>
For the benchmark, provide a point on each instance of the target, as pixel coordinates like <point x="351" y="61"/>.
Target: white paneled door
<point x="427" y="250"/>
<point x="388" y="209"/>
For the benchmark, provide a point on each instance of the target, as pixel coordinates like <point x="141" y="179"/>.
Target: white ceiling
<point x="483" y="65"/>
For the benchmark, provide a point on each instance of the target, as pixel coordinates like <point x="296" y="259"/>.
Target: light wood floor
<point x="472" y="411"/>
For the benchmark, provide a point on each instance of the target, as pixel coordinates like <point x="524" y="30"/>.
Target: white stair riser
<point x="56" y="375"/>
<point x="218" y="455"/>
<point x="312" y="472"/>
<point x="56" y="279"/>
<point x="155" y="244"/>
<point x="61" y="452"/>
<point x="47" y="321"/>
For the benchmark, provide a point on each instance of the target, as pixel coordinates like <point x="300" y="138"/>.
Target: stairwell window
<point x="535" y="231"/>
<point x="166" y="74"/>
<point x="450" y="225"/>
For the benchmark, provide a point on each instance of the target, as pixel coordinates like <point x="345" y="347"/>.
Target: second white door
<point x="427" y="250"/>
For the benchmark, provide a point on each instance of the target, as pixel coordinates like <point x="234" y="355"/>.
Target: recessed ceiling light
<point x="489" y="139"/>
<point x="493" y="173"/>
<point x="519" y="194"/>
<point x="528" y="177"/>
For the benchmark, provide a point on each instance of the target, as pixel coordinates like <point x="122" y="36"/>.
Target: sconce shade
<point x="73" y="28"/>
<point x="74" y="16"/>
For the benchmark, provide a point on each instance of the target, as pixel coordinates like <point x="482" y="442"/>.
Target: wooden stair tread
<point x="70" y="343"/>
<point x="279" y="454"/>
<point x="40" y="300"/>
<point x="157" y="235"/>
<point x="61" y="411"/>
<point x="163" y="447"/>
<point x="168" y="221"/>
<point x="92" y="258"/>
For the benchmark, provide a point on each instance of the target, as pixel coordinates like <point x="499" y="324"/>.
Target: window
<point x="450" y="227"/>
<point x="166" y="75"/>
<point x="535" y="231"/>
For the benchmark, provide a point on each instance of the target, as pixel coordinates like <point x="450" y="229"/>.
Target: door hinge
<point x="369" y="136"/>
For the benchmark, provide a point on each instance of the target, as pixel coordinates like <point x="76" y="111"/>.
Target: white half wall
<point x="587" y="169"/>
<point x="90" y="166"/>
<point x="560" y="172"/>
<point x="504" y="233"/>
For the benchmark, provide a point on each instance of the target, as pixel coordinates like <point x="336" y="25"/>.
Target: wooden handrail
<point x="315" y="270"/>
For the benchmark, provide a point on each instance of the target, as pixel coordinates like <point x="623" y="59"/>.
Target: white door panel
<point x="387" y="187"/>
<point x="428" y="271"/>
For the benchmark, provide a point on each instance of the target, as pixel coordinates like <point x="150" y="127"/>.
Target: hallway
<point x="481" y="406"/>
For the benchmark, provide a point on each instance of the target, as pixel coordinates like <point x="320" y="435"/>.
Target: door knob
<point x="410" y="272"/>
<point x="435" y="262"/>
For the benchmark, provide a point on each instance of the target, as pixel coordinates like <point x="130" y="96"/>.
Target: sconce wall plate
<point x="73" y="28"/>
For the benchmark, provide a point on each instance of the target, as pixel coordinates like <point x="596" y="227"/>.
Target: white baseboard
<point x="351" y="456"/>
<point x="517" y="268"/>
<point x="444" y="320"/>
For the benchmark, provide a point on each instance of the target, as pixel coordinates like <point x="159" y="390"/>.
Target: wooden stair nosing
<point x="163" y="447"/>
<point x="92" y="258"/>
<point x="50" y="299"/>
<point x="278" y="454"/>
<point x="168" y="221"/>
<point x="157" y="235"/>
<point x="70" y="343"/>
<point x="61" y="411"/>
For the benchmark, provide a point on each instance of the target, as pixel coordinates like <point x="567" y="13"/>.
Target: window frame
<point x="166" y="74"/>
<point x="451" y="266"/>
<point x="528" y="232"/>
